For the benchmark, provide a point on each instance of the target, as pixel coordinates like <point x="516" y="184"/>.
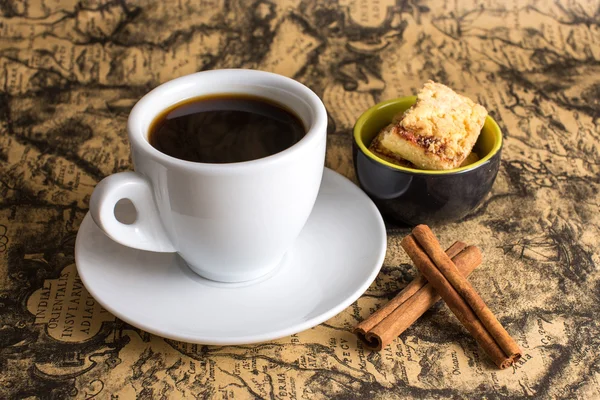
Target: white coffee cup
<point x="229" y="222"/>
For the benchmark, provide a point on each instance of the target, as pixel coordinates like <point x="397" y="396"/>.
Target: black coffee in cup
<point x="225" y="128"/>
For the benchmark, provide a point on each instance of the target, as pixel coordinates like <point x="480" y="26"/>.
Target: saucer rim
<point x="255" y="338"/>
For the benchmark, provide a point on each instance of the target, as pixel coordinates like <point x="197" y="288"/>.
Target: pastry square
<point x="438" y="132"/>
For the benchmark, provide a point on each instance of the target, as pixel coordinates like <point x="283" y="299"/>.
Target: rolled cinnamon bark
<point x="456" y="302"/>
<point x="396" y="316"/>
<point x="432" y="247"/>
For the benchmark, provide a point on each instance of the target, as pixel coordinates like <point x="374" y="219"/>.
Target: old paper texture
<point x="70" y="73"/>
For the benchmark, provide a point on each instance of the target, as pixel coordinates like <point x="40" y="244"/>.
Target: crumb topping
<point x="440" y="113"/>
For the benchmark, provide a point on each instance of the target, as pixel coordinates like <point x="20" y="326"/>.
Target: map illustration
<point x="70" y="71"/>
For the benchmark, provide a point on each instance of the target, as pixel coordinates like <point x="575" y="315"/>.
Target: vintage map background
<point x="70" y="72"/>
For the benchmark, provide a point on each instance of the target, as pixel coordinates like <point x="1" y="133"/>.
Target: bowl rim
<point x="360" y="122"/>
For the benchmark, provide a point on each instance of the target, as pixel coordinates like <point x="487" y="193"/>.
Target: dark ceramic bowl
<point x="414" y="196"/>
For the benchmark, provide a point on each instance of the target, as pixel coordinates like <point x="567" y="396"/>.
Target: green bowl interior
<point x="377" y="117"/>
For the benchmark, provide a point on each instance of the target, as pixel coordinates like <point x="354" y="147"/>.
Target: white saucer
<point x="332" y="263"/>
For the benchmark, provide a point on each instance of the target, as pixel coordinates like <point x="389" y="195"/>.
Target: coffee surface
<point x="225" y="129"/>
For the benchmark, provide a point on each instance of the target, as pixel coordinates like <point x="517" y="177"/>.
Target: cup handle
<point x="147" y="232"/>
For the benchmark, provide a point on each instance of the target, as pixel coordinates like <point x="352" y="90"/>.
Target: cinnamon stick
<point x="457" y="304"/>
<point x="396" y="316"/>
<point x="432" y="247"/>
